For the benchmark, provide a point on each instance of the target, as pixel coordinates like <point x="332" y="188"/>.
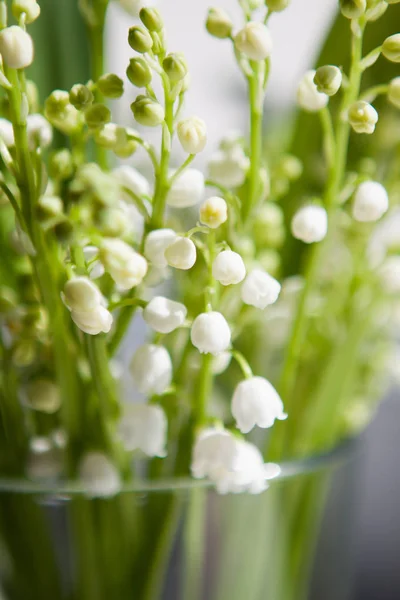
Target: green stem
<point x="98" y="359"/>
<point x="123" y="321"/>
<point x="162" y="183"/>
<point x="256" y="120"/>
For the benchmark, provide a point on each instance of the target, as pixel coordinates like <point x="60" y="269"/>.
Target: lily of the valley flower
<point x="228" y="268"/>
<point x="371" y="201"/>
<point x="151" y="369"/>
<point x="144" y="427"/>
<point x="254" y="41"/>
<point x="126" y="266"/>
<point x="308" y="96"/>
<point x="192" y="134"/>
<point x="155" y="245"/>
<point x="164" y="315"/>
<point x="310" y="224"/>
<point x="233" y="465"/>
<point x="181" y="253"/>
<point x="131" y="179"/>
<point x="210" y="333"/>
<point x="213" y="212"/>
<point x="260" y="289"/>
<point x="16" y="47"/>
<point x="40" y="132"/>
<point x="256" y="402"/>
<point x="83" y="298"/>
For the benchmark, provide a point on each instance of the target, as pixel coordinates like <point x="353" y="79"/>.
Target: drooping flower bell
<point x="164" y="315"/>
<point x="310" y="224"/>
<point x="99" y="476"/>
<point x="371" y="201"/>
<point x="144" y="427"/>
<point x="228" y="268"/>
<point x="256" y="402"/>
<point x="155" y="245"/>
<point x="151" y="369"/>
<point x="16" y="47"/>
<point x="181" y="253"/>
<point x="187" y="189"/>
<point x="210" y="333"/>
<point x="192" y="134"/>
<point x="260" y="289"/>
<point x="126" y="266"/>
<point x="254" y="41"/>
<point x="308" y="96"/>
<point x="233" y="465"/>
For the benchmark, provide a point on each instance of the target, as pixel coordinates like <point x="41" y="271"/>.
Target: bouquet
<point x="268" y="284"/>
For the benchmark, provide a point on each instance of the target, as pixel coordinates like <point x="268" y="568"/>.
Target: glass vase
<point x="179" y="540"/>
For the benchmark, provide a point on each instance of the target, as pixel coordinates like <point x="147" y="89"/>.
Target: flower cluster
<point x="251" y="276"/>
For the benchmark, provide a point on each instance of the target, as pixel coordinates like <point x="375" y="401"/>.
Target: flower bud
<point x="151" y="19"/>
<point x="130" y="178"/>
<point x="43" y="395"/>
<point x="260" y="289"/>
<point x="80" y="96"/>
<point x="175" y="67"/>
<point x="60" y="112"/>
<point x="97" y="115"/>
<point x="126" y="267"/>
<point x="164" y="315"/>
<point x="228" y="268"/>
<point x="99" y="476"/>
<point x="192" y="134"/>
<point x="147" y="111"/>
<point x="144" y="427"/>
<point x="140" y="39"/>
<point x="363" y="117"/>
<point x="181" y="253"/>
<point x="30" y="7"/>
<point x="214" y="212"/>
<point x="6" y="132"/>
<point x="139" y="72"/>
<point x="16" y="47"/>
<point x="256" y="402"/>
<point x="394" y="92"/>
<point x="155" y="245"/>
<point x="61" y="165"/>
<point x="210" y="333"/>
<point x="371" y="201"/>
<point x="110" y="85"/>
<point x="391" y="48"/>
<point x="352" y="9"/>
<point x="106" y="137"/>
<point x="187" y="189"/>
<point x="81" y="294"/>
<point x="310" y="224"/>
<point x="328" y="80"/>
<point x="39" y="130"/>
<point x="254" y="41"/>
<point x="151" y="369"/>
<point x="219" y="23"/>
<point x="277" y="5"/>
<point x="308" y="96"/>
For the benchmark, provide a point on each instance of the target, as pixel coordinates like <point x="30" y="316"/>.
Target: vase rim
<point x="322" y="461"/>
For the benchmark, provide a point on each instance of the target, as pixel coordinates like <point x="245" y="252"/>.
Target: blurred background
<point x="217" y="95"/>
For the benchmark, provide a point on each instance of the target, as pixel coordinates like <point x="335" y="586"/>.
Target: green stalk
<point x="335" y="182"/>
<point x="162" y="183"/>
<point x="256" y="121"/>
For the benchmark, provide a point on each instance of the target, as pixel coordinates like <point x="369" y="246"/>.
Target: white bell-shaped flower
<point x="308" y="96"/>
<point x="228" y="167"/>
<point x="40" y="132"/>
<point x="256" y="402"/>
<point x="164" y="315"/>
<point x="98" y="320"/>
<point x="254" y="41"/>
<point x="83" y="298"/>
<point x="155" y="245"/>
<point x="187" y="189"/>
<point x="144" y="427"/>
<point x="130" y="178"/>
<point x="233" y="465"/>
<point x="126" y="266"/>
<point x="192" y="134"/>
<point x="213" y="212"/>
<point x="260" y="289"/>
<point x="99" y="476"/>
<point x="371" y="201"/>
<point x="228" y="268"/>
<point x="181" y="253"/>
<point x="7" y="132"/>
<point x="81" y="294"/>
<point x="210" y="333"/>
<point x="310" y="224"/>
<point x="221" y="362"/>
<point x="151" y="369"/>
<point x="16" y="47"/>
